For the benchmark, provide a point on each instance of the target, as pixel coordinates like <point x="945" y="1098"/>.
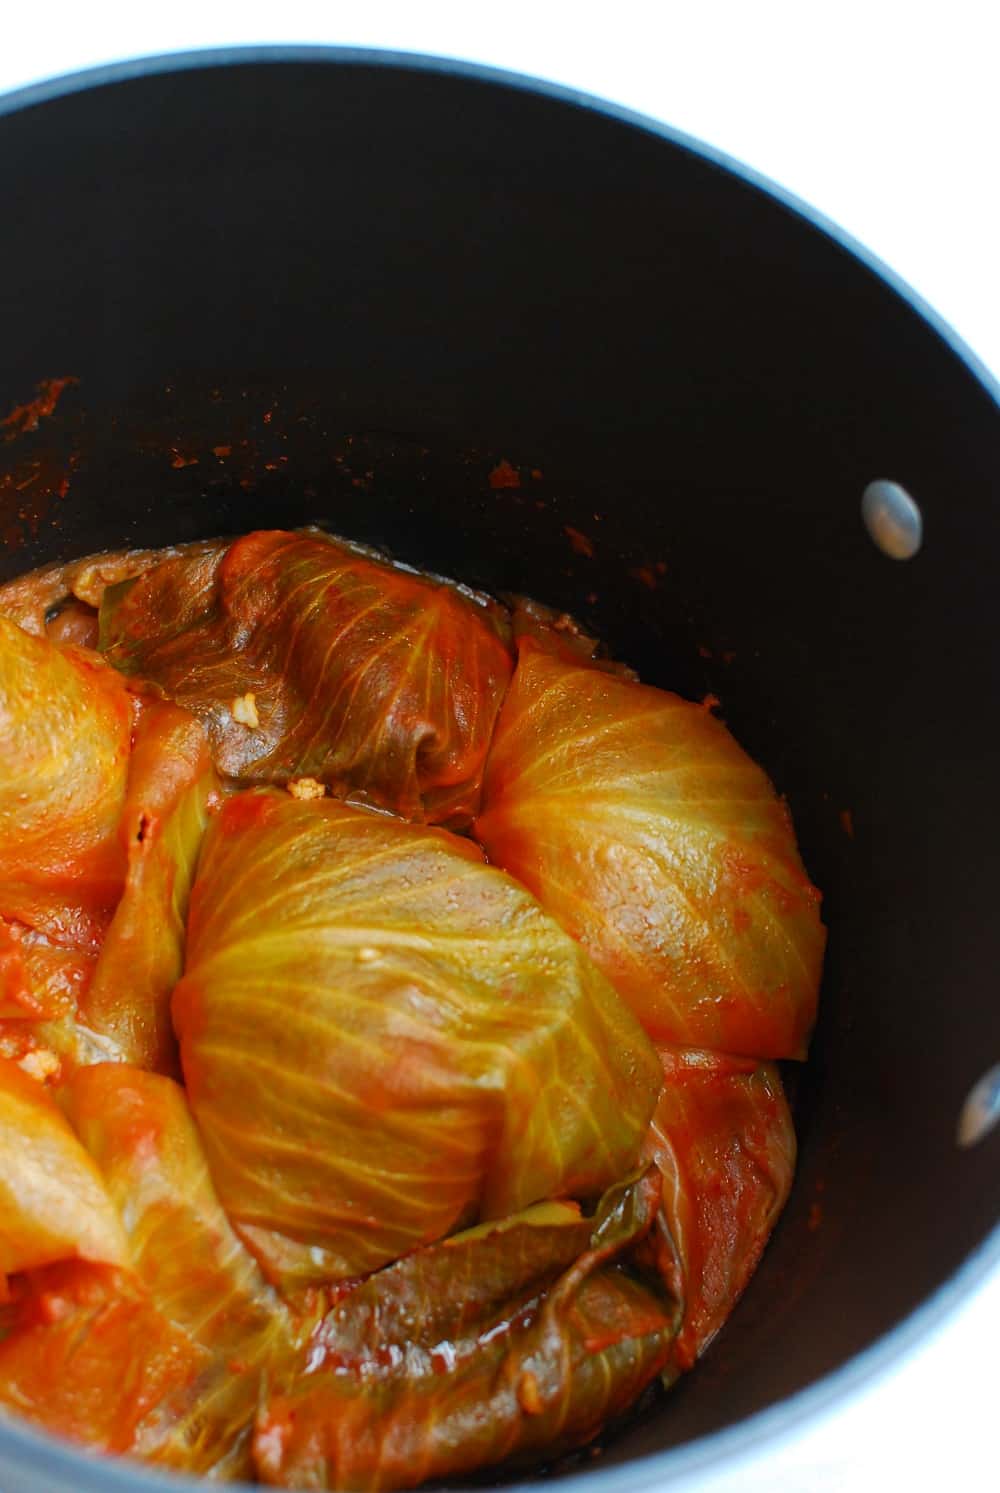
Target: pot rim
<point x="721" y="1451"/>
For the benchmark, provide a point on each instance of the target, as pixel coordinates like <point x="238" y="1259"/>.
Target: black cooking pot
<point x="341" y="287"/>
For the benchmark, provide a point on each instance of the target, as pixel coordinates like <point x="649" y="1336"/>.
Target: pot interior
<point x="343" y="291"/>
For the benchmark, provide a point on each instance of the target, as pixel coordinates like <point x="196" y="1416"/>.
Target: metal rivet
<point x="981" y="1110"/>
<point x="892" y="518"/>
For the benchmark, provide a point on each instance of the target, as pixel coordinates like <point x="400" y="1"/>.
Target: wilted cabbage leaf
<point x="74" y="624"/>
<point x="53" y="1203"/>
<point x="42" y="989"/>
<point x="171" y="783"/>
<point x="30" y="600"/>
<point x="65" y="724"/>
<point x="506" y="1342"/>
<point x="722" y="1136"/>
<point x="51" y="1049"/>
<point x="384" y="1038"/>
<point x="641" y="825"/>
<point x="381" y="683"/>
<point x="201" y="1279"/>
<point x="38" y="979"/>
<point x="85" y="1354"/>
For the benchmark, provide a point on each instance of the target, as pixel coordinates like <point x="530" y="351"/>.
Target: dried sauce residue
<point x="649" y="575"/>
<point x="25" y="417"/>
<point x="579" y="543"/>
<point x="504" y="475"/>
<point x="33" y="476"/>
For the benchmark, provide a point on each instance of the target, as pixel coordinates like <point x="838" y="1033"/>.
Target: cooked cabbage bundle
<point x="651" y="836"/>
<point x="171" y="784"/>
<point x="723" y="1139"/>
<point x="197" y="1274"/>
<point x="383" y="1039"/>
<point x="162" y="1356"/>
<point x="518" y="1339"/>
<point x="37" y="601"/>
<point x="308" y="659"/>
<point x="85" y="1354"/>
<point x="53" y="1205"/>
<point x="65" y="726"/>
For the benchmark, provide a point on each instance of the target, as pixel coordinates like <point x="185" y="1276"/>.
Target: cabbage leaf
<point x="723" y="1139"/>
<point x="38" y="979"/>
<point x="65" y="727"/>
<point x="200" y="1278"/>
<point x="504" y="1343"/>
<point x="638" y="822"/>
<point x="85" y="1354"/>
<point x="384" y="1039"/>
<point x="383" y="684"/>
<point x="163" y="1357"/>
<point x="171" y="784"/>
<point x="53" y="1203"/>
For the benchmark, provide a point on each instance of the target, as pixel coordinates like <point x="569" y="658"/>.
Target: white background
<point x="884" y="116"/>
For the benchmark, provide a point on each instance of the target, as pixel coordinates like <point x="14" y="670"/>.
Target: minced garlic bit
<point x="244" y="710"/>
<point x="306" y="788"/>
<point x="40" y="1064"/>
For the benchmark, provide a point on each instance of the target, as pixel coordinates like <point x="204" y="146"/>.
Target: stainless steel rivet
<point x="981" y="1110"/>
<point x="892" y="518"/>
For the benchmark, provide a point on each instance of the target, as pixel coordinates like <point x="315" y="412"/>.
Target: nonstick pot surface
<point x="342" y="289"/>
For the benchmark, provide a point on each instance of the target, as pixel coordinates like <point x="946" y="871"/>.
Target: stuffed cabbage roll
<point x="383" y="1039"/>
<point x="308" y="659"/>
<point x="65" y="726"/>
<point x="199" y="1277"/>
<point x="85" y="1354"/>
<point x="638" y="822"/>
<point x="171" y="784"/>
<point x="723" y="1139"/>
<point x="37" y="600"/>
<point x="53" y="1203"/>
<point x="520" y="1339"/>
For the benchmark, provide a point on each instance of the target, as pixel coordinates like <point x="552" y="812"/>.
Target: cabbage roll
<point x="65" y="728"/>
<point x="171" y="785"/>
<point x="640" y="824"/>
<point x="53" y="1202"/>
<point x="507" y="1342"/>
<point x="85" y="1354"/>
<point x="305" y="658"/>
<point x="185" y="1255"/>
<point x="384" y="1039"/>
<point x="37" y="600"/>
<point x="723" y="1139"/>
